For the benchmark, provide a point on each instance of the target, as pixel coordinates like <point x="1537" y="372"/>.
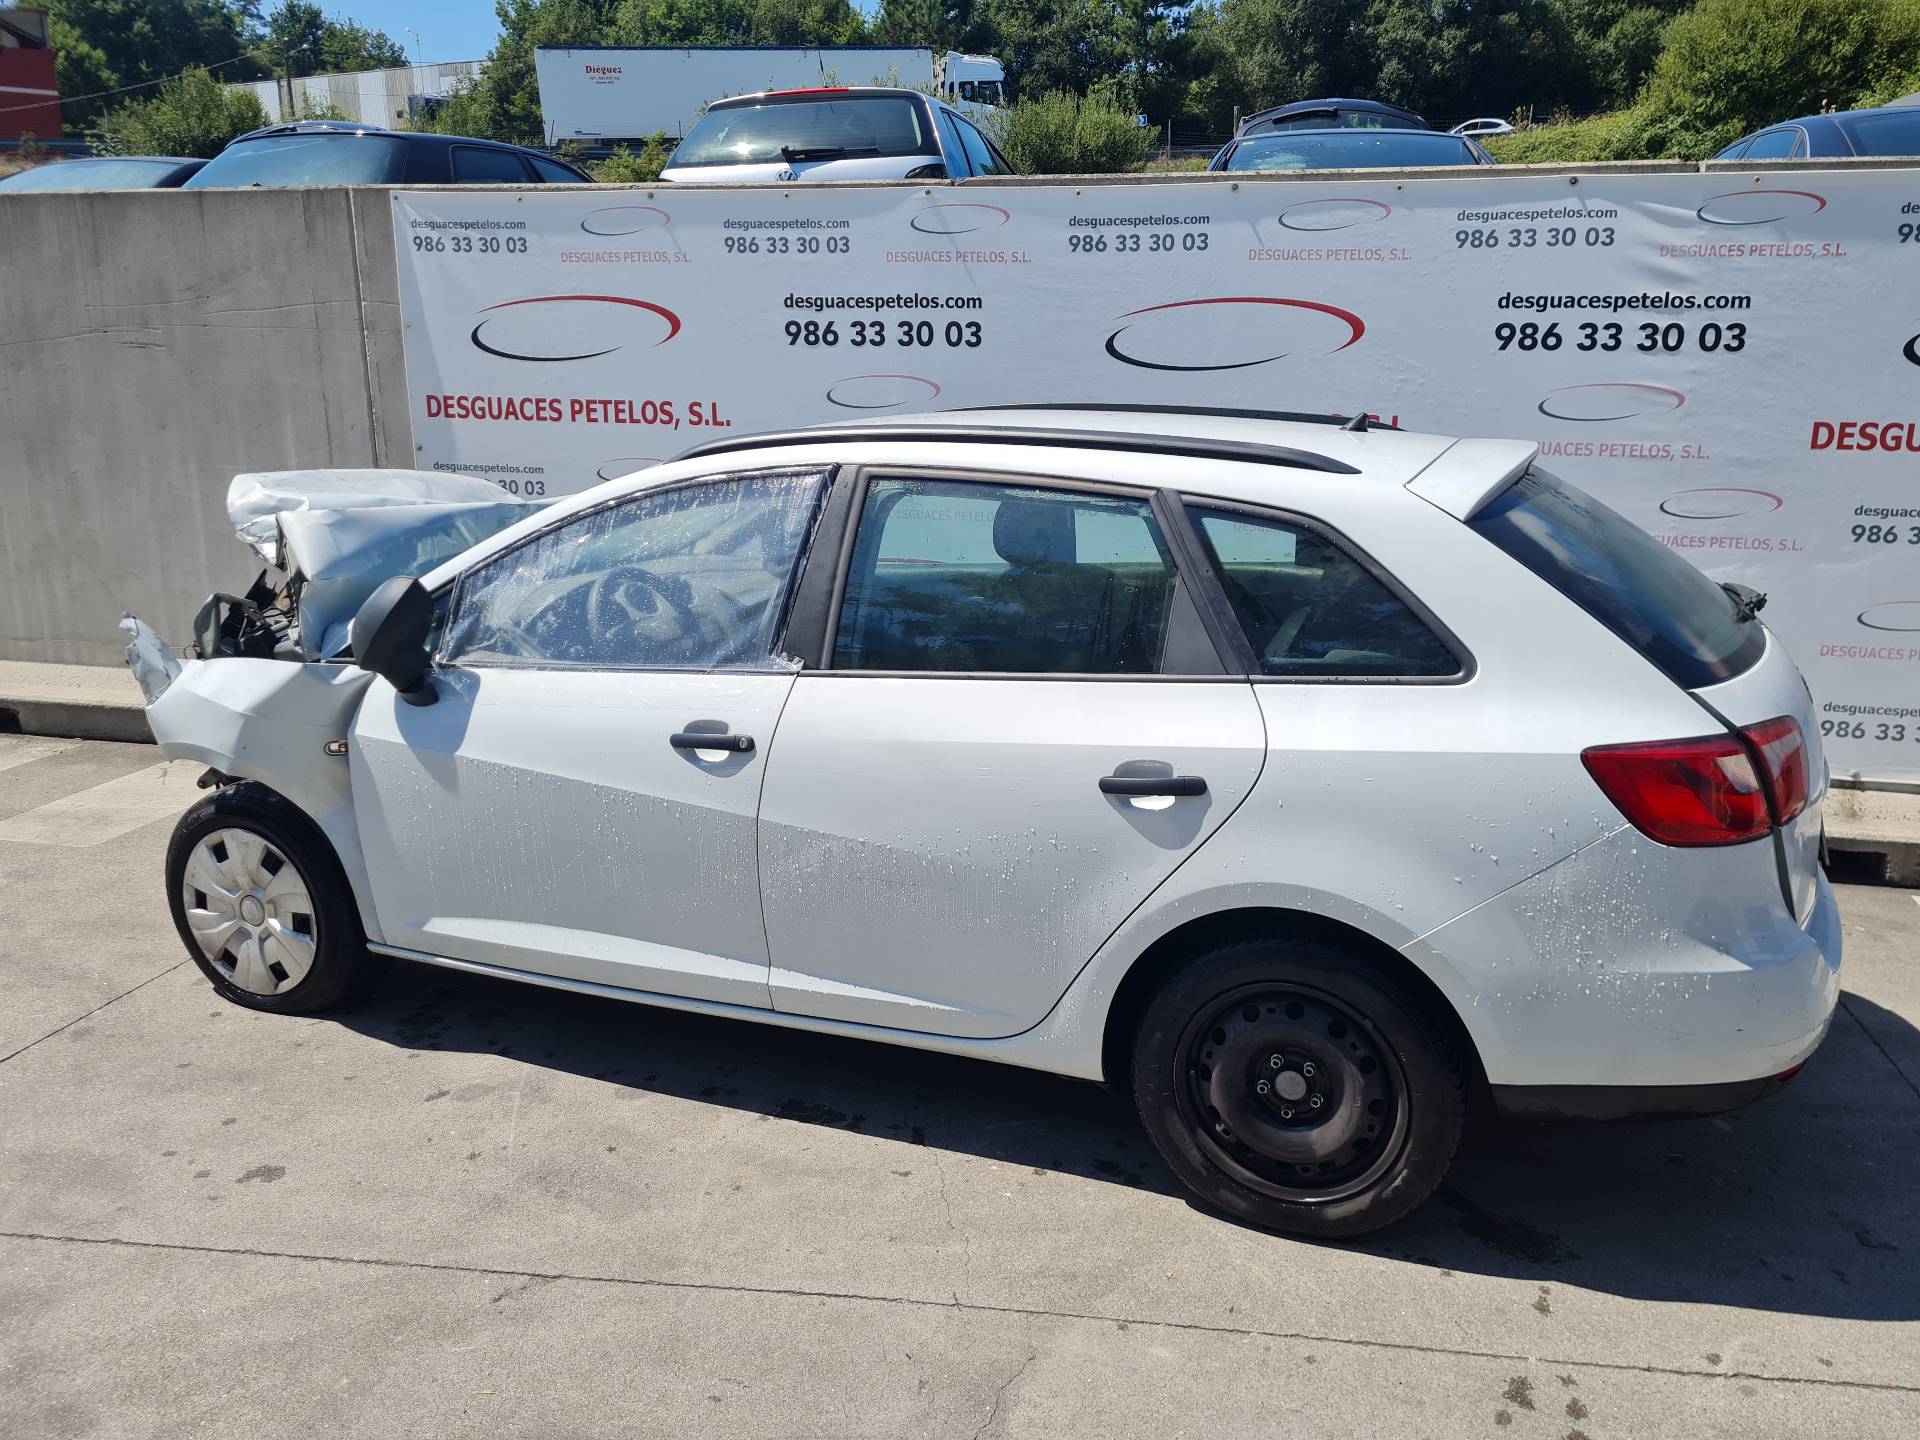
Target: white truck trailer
<point x="599" y="94"/>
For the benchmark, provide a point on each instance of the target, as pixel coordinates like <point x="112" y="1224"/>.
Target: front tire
<point x="1299" y="1087"/>
<point x="262" y="904"/>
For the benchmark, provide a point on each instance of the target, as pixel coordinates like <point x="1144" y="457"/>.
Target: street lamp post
<point x="417" y="60"/>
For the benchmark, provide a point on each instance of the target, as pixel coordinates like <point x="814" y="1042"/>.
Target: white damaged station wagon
<point x="1319" y="782"/>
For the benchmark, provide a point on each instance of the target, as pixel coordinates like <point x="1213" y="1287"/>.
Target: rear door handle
<point x="706" y="740"/>
<point x="1152" y="785"/>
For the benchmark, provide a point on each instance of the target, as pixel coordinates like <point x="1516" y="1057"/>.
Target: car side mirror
<point x="389" y="637"/>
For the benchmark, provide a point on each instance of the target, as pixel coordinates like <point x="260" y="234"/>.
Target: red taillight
<point x="1783" y="758"/>
<point x="1707" y="791"/>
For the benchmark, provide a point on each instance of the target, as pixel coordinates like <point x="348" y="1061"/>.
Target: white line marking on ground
<point x="105" y="812"/>
<point x="25" y="749"/>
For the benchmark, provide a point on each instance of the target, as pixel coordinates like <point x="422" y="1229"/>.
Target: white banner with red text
<point x="1732" y="360"/>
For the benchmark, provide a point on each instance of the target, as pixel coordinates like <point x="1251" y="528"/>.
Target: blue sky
<point x="449" y="29"/>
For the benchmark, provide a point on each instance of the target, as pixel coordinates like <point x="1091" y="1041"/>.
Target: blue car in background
<point x="1893" y="130"/>
<point x="1347" y="149"/>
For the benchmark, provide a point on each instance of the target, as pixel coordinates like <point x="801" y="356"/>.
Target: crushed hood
<point x="339" y="533"/>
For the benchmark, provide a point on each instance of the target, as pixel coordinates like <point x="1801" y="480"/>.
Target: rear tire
<point x="1299" y="1087"/>
<point x="262" y="904"/>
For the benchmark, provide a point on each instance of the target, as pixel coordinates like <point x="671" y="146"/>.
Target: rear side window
<point x="1627" y="580"/>
<point x="1773" y="145"/>
<point x="477" y="165"/>
<point x="796" y="130"/>
<point x="967" y="577"/>
<point x="552" y="173"/>
<point x="1309" y="609"/>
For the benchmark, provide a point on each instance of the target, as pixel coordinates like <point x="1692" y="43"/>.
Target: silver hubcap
<point x="249" y="911"/>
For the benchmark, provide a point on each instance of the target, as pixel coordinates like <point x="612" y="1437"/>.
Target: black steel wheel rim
<point x="1292" y="1092"/>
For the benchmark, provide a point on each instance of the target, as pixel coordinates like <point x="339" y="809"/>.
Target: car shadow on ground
<point x="1801" y="1204"/>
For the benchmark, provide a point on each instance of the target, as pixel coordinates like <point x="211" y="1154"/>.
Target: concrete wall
<point x="159" y="343"/>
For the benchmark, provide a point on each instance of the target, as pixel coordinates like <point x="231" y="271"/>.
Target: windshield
<point x="280" y="161"/>
<point x="980" y="92"/>
<point x="1336" y="150"/>
<point x="93" y="175"/>
<point x="1645" y="593"/>
<point x="823" y="129"/>
<point x="1884" y="134"/>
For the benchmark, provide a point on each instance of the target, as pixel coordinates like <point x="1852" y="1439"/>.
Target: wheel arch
<point x="1171" y="951"/>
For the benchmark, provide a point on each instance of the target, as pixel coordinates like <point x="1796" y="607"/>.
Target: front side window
<point x="690" y="578"/>
<point x="961" y="576"/>
<point x="1311" y="610"/>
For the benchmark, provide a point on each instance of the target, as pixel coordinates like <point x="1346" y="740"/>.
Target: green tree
<point x="1062" y="134"/>
<point x="108" y="44"/>
<point x="301" y="36"/>
<point x="194" y="114"/>
<point x="1729" y="66"/>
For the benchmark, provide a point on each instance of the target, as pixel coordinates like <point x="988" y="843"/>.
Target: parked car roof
<point x="1333" y="112"/>
<point x="346" y="152"/>
<point x="1347" y="149"/>
<point x="106" y="172"/>
<point x="1888" y="130"/>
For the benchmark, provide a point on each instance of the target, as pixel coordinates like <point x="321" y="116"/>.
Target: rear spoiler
<point x="1469" y="473"/>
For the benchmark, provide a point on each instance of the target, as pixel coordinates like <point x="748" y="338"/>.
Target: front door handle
<point x="706" y="740"/>
<point x="1152" y="785"/>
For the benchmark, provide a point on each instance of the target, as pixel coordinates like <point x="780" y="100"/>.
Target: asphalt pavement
<point x="473" y="1208"/>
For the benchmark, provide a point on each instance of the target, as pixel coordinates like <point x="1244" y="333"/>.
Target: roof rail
<point x="1224" y="412"/>
<point x="1194" y="446"/>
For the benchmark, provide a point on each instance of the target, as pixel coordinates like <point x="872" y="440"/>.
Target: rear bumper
<point x="1635" y="1102"/>
<point x="1637" y="980"/>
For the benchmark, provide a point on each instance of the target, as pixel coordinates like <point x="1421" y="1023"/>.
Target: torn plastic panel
<point x="336" y="534"/>
<point x="149" y="658"/>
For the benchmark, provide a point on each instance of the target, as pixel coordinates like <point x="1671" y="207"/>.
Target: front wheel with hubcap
<point x="1299" y="1087"/>
<point x="261" y="903"/>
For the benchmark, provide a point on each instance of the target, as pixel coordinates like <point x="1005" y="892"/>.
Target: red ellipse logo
<point x="1174" y="335"/>
<point x="958" y="219"/>
<point x="625" y="220"/>
<point x="1610" y="400"/>
<point x="881" y="392"/>
<point x="1760" y="207"/>
<point x="1335" y="214"/>
<point x="1719" y="502"/>
<point x="580" y="321"/>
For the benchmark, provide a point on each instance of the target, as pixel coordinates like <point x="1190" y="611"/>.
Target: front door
<point x="1023" y="730"/>
<point x="581" y="800"/>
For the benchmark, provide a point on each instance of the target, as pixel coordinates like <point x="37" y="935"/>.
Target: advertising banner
<point x="1732" y="360"/>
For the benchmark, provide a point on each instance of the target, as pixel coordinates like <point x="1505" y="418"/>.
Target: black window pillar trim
<point x="816" y="599"/>
<point x="1196" y="568"/>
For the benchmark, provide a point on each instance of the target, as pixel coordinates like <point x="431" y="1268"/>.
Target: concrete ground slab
<point x="473" y="1207"/>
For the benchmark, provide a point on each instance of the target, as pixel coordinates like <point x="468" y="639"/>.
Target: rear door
<point x="1022" y="729"/>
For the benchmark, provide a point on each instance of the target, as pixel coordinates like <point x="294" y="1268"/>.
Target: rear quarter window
<point x="1648" y="595"/>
